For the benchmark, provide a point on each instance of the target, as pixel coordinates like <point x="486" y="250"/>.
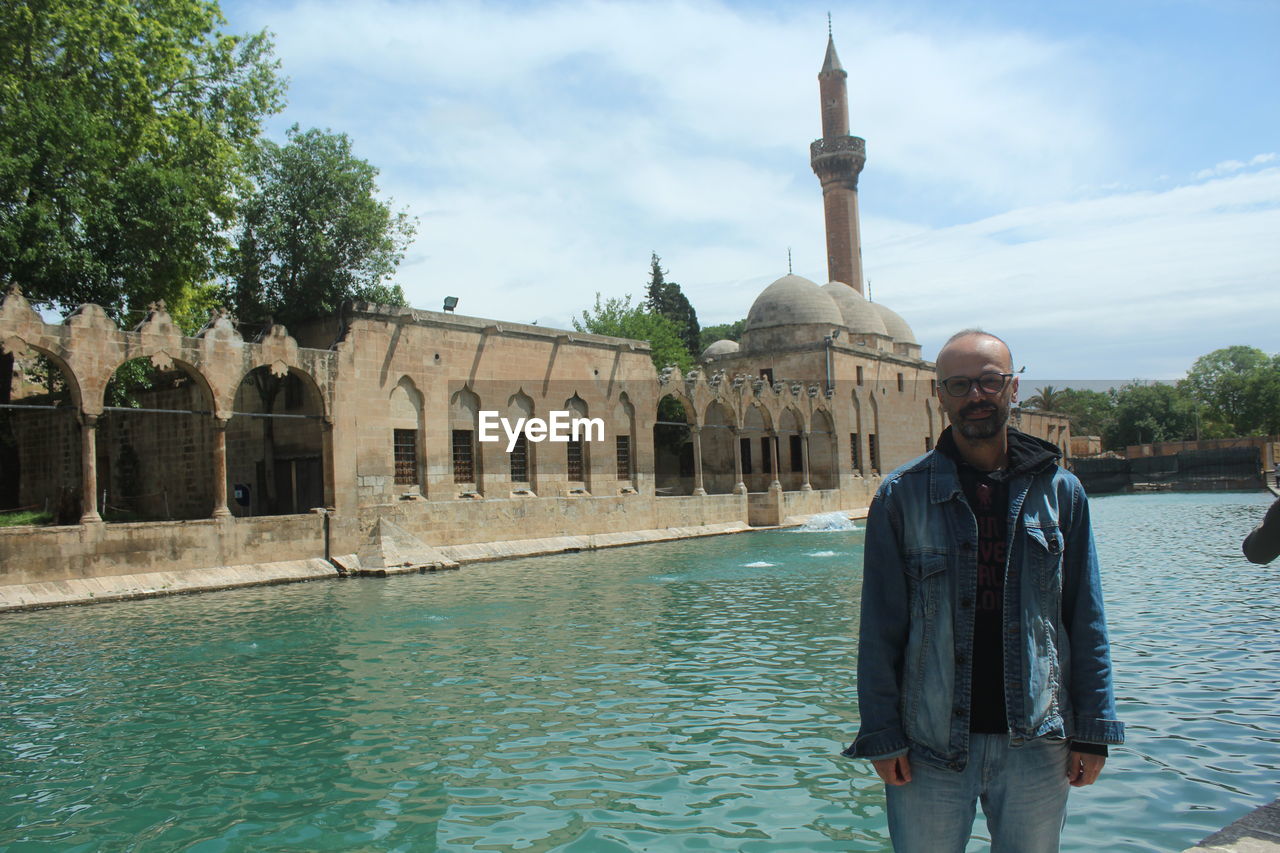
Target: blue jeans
<point x="1023" y="790"/>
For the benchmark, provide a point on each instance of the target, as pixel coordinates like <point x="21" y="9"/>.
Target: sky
<point x="1097" y="181"/>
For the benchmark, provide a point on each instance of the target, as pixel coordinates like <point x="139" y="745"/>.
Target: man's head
<point x="979" y="366"/>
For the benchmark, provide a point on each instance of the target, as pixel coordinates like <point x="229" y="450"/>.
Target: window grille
<point x="405" y="450"/>
<point x="624" y="457"/>
<point x="464" y="468"/>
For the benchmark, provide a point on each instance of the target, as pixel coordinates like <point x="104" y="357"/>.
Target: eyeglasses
<point x="988" y="383"/>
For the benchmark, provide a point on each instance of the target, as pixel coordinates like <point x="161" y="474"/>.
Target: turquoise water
<point x="684" y="696"/>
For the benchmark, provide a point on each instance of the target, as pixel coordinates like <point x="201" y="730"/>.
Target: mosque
<point x="366" y="441"/>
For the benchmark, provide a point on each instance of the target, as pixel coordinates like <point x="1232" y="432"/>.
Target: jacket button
<point x="959" y="712"/>
<point x="955" y="765"/>
<point x="966" y="602"/>
<point x="966" y="546"/>
<point x="960" y="659"/>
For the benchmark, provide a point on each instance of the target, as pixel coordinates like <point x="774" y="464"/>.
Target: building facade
<point x="159" y="452"/>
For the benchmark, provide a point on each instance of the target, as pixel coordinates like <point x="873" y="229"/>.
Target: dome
<point x="793" y="301"/>
<point x="896" y="326"/>
<point x="721" y="347"/>
<point x="860" y="316"/>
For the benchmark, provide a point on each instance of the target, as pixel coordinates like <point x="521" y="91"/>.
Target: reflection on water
<point x="685" y="696"/>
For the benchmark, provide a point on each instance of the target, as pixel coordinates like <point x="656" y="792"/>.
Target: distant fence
<point x="1190" y="470"/>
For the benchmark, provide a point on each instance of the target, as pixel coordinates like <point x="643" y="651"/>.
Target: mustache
<point x="974" y="408"/>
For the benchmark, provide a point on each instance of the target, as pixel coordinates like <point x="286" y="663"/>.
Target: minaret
<point x="837" y="159"/>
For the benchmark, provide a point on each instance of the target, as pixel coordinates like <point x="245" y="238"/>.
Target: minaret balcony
<point x="838" y="151"/>
<point x="839" y="157"/>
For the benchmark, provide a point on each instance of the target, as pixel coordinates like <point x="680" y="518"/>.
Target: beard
<point x="987" y="427"/>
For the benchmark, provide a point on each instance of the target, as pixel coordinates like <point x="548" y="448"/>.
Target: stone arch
<point x="823" y="458"/>
<point x="931" y="436"/>
<point x="522" y="460"/>
<point x="464" y="417"/>
<point x="624" y="424"/>
<point x="278" y="453"/>
<point x="858" y="439"/>
<point x="408" y="437"/>
<point x="790" y="448"/>
<point x="718" y="439"/>
<point x="155" y="441"/>
<point x="874" y="438"/>
<point x="754" y="443"/>
<point x="41" y="436"/>
<point x="578" y="456"/>
<point x="672" y="445"/>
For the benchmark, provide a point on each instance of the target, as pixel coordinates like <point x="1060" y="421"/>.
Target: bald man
<point x="984" y="670"/>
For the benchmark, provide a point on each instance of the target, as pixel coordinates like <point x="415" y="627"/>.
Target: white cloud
<point x="1226" y="167"/>
<point x="1190" y="266"/>
<point x="549" y="148"/>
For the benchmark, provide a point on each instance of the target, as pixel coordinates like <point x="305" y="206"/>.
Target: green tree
<point x="1046" y="399"/>
<point x="1091" y="412"/>
<point x="1237" y="387"/>
<point x="1151" y="413"/>
<point x="313" y="232"/>
<point x="666" y="298"/>
<point x="619" y="318"/>
<point x="123" y="127"/>
<point x="721" y="332"/>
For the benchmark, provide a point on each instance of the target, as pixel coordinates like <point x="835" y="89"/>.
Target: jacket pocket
<point x="925" y="578"/>
<point x="928" y="679"/>
<point x="1044" y="557"/>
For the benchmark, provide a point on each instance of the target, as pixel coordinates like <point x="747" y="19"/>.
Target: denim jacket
<point x="916" y="635"/>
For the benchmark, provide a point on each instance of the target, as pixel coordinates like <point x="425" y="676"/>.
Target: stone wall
<point x="39" y="554"/>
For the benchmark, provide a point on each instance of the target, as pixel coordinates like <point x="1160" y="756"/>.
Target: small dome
<point x="896" y="326"/>
<point x="793" y="301"/>
<point x="860" y="316"/>
<point x="721" y="347"/>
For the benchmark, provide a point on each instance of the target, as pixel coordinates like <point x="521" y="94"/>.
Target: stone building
<point x="225" y="448"/>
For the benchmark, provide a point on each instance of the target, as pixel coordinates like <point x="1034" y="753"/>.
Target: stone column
<point x="739" y="487"/>
<point x="327" y="467"/>
<point x="806" y="486"/>
<point x="220" y="509"/>
<point x="697" y="461"/>
<point x="773" y="460"/>
<point x="89" y="469"/>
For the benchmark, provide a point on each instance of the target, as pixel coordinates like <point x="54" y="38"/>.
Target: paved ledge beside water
<point x="123" y="587"/>
<point x="1256" y="832"/>
<point x="152" y="584"/>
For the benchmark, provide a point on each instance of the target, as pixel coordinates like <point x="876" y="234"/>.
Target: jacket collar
<point x="1028" y="456"/>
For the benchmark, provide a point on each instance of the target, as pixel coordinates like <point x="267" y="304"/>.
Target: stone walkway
<point x="151" y="584"/>
<point x="1256" y="832"/>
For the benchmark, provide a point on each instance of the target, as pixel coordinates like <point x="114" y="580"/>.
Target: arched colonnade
<point x="197" y="413"/>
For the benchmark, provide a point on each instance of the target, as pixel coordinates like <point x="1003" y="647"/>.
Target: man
<point x="1263" y="544"/>
<point x="984" y="670"/>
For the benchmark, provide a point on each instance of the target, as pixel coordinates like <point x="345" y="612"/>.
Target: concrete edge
<point x="481" y="552"/>
<point x="35" y="596"/>
<point x="1256" y="832"/>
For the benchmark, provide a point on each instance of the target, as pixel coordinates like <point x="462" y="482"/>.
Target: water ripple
<point x="684" y="696"/>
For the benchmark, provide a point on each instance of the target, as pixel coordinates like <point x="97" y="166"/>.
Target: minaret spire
<point x="837" y="159"/>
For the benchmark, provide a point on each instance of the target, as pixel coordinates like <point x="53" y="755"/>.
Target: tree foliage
<point x="314" y="233"/>
<point x="1239" y="387"/>
<point x="667" y="299"/>
<point x="721" y="332"/>
<point x="619" y="318"/>
<point x="1046" y="399"/>
<point x="1091" y="412"/>
<point x="1150" y="413"/>
<point x="123" y="128"/>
